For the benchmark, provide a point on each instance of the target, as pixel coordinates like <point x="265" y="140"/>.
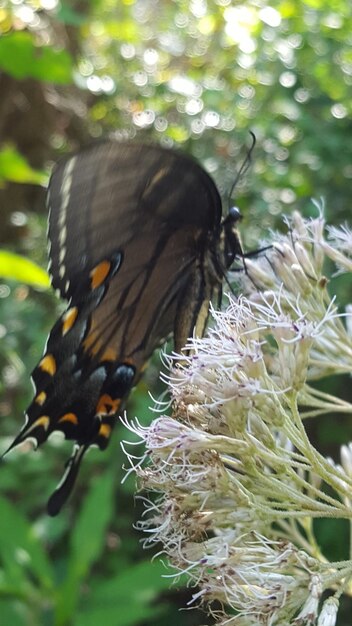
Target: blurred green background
<point x="199" y="75"/>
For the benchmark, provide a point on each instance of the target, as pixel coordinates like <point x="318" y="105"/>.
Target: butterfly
<point x="138" y="249"/>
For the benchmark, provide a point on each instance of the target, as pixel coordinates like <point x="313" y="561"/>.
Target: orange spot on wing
<point x="48" y="364"/>
<point x="99" y="273"/>
<point x="40" y="398"/>
<point x="104" y="431"/>
<point x="92" y="343"/>
<point x="128" y="361"/>
<point x="107" y="405"/>
<point x="69" y="319"/>
<point x="109" y="355"/>
<point x="69" y="417"/>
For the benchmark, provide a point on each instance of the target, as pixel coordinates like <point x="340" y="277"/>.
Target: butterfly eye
<point x="235" y="214"/>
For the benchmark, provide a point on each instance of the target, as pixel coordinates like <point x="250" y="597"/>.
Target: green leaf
<point x="15" y="267"/>
<point x="22" y="58"/>
<point x="12" y="613"/>
<point x="87" y="542"/>
<point x="119" y="614"/>
<point x="126" y="599"/>
<point x="88" y="536"/>
<point x="138" y="583"/>
<point x="20" y="550"/>
<point x="15" y="168"/>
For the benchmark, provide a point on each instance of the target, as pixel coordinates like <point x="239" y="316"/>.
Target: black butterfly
<point x="138" y="248"/>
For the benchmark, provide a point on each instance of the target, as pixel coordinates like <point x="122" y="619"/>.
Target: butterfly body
<point x="138" y="248"/>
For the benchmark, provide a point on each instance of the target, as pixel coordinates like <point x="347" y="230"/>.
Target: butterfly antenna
<point x="244" y="167"/>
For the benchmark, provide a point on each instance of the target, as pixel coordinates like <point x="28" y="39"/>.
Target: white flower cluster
<point x="237" y="483"/>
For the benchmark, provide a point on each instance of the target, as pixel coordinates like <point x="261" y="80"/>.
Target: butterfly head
<point x="230" y="237"/>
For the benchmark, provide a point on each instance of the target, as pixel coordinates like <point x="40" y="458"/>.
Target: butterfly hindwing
<point x="73" y="388"/>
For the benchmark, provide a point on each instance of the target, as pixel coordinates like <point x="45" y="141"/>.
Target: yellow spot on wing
<point x="40" y="398"/>
<point x="48" y="364"/>
<point x="69" y="417"/>
<point x="104" y="431"/>
<point x="99" y="273"/>
<point x="43" y="421"/>
<point x="69" y="319"/>
<point x="106" y="405"/>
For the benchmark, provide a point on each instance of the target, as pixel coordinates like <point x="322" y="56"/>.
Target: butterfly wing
<point x="114" y="193"/>
<point x="129" y="229"/>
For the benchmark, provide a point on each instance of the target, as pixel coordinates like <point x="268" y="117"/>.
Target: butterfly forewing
<point x="109" y="195"/>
